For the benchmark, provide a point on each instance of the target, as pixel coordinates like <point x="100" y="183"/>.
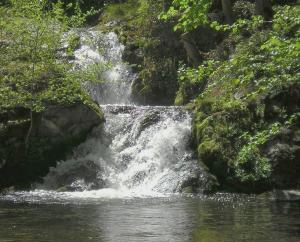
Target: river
<point x="219" y="218"/>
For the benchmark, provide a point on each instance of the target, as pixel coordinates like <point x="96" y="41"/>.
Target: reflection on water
<point x="220" y="218"/>
<point x="250" y="221"/>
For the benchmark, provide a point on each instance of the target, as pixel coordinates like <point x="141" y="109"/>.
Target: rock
<point x="188" y="189"/>
<point x="59" y="123"/>
<point x="62" y="189"/>
<point x="133" y="54"/>
<point x="265" y="196"/>
<point x="200" y="181"/>
<point x="296" y="138"/>
<point x="208" y="183"/>
<point x="77" y="175"/>
<point x="155" y="61"/>
<point x="284" y="155"/>
<point x="151" y="118"/>
<point x="286" y="195"/>
<point x="55" y="132"/>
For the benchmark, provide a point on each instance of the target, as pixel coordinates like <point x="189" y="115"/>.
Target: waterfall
<point x="97" y="47"/>
<point x="140" y="151"/>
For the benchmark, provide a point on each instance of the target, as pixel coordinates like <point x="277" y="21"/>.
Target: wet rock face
<point x="201" y="181"/>
<point x="155" y="63"/>
<point x="284" y="155"/>
<point x="286" y="195"/>
<point x="55" y="132"/>
<point x="60" y="123"/>
<point x="151" y="118"/>
<point x="284" y="150"/>
<point x="81" y="176"/>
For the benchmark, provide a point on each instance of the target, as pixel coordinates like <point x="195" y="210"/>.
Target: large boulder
<point x="284" y="155"/>
<point x="27" y="153"/>
<point x="200" y="181"/>
<point x="60" y="123"/>
<point x="269" y="159"/>
<point x="286" y="195"/>
<point x="74" y="175"/>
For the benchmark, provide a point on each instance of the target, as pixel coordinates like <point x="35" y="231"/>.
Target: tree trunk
<point x="227" y="11"/>
<point x="29" y="133"/>
<point x="166" y="5"/>
<point x="264" y="8"/>
<point x="191" y="50"/>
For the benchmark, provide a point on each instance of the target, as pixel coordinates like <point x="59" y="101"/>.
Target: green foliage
<point x="85" y="7"/>
<point x="192" y="80"/>
<point x="137" y="14"/>
<point x="73" y="41"/>
<point x="286" y="21"/>
<point x="121" y="11"/>
<point x="190" y="13"/>
<point x="196" y="75"/>
<point x="264" y="63"/>
<point x="234" y="122"/>
<point x="250" y="164"/>
<point x="240" y="26"/>
<point x="32" y="73"/>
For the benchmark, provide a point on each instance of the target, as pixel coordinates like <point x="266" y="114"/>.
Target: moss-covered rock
<point x="247" y="112"/>
<point x="152" y="48"/>
<point x="251" y="147"/>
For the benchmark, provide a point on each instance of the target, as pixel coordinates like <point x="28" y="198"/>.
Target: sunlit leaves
<point x="190" y="13"/>
<point x="33" y="70"/>
<point x="265" y="63"/>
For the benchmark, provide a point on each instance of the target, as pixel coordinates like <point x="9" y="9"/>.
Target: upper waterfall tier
<point x="116" y="79"/>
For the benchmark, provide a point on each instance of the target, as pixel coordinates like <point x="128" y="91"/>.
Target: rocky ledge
<point x="28" y="149"/>
<point x="286" y="195"/>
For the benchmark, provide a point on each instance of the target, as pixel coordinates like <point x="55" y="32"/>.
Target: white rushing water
<point x="117" y="77"/>
<point x="140" y="151"/>
<point x="143" y="151"/>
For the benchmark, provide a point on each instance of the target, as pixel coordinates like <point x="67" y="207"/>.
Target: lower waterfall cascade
<point x="143" y="151"/>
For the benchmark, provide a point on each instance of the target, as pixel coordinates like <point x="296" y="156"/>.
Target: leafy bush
<point x="32" y="74"/>
<point x="190" y="13"/>
<point x="234" y="121"/>
<point x="192" y="81"/>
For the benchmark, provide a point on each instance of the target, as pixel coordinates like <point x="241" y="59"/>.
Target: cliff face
<point x="250" y="147"/>
<point x="247" y="115"/>
<point x="151" y="46"/>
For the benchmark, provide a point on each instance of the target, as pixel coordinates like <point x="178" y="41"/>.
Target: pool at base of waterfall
<point x="221" y="217"/>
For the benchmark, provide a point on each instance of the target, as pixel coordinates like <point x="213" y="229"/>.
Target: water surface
<point x="176" y="218"/>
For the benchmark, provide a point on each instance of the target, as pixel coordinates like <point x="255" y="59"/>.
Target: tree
<point x="193" y="13"/>
<point x="190" y="13"/>
<point x="32" y="73"/>
<point x="191" y="49"/>
<point x="227" y="11"/>
<point x="263" y="8"/>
